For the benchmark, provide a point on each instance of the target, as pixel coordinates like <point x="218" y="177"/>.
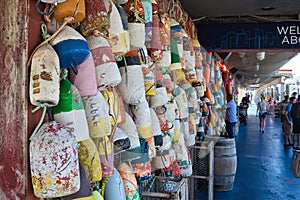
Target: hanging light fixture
<point x="242" y="54"/>
<point x="260" y="55"/>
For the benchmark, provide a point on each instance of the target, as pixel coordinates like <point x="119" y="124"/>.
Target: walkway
<point x="264" y="165"/>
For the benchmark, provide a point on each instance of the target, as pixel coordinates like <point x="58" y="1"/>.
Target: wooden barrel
<point x="225" y="163"/>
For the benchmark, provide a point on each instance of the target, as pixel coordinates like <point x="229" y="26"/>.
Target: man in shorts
<point x="283" y="105"/>
<point x="262" y="110"/>
<point x="288" y="123"/>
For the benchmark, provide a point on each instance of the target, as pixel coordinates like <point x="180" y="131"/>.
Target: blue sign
<point x="264" y="35"/>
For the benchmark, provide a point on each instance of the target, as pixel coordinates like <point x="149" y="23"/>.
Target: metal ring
<point x="163" y="112"/>
<point x="41" y="12"/>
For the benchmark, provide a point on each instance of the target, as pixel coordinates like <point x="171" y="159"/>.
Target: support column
<point x="13" y="98"/>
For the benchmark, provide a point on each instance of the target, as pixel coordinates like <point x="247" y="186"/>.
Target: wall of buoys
<point x="139" y="65"/>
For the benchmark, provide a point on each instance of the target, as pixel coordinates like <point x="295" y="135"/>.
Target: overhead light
<point x="255" y="75"/>
<point x="241" y="54"/>
<point x="267" y="8"/>
<point x="260" y="55"/>
<point x="254" y="86"/>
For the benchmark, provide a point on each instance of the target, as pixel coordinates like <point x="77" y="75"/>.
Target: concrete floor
<point x="263" y="165"/>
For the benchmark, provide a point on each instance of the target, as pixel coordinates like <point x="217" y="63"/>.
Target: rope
<point x="170" y="8"/>
<point x="104" y="182"/>
<point x="108" y="101"/>
<point x="76" y="9"/>
<point x="109" y="10"/>
<point x="179" y="13"/>
<point x="44" y="106"/>
<point x="64" y="74"/>
<point x="163" y="5"/>
<point x="126" y="70"/>
<point x="129" y="181"/>
<point x="142" y="55"/>
<point x="45" y="33"/>
<point x="105" y="147"/>
<point x="47" y="9"/>
<point x="114" y="127"/>
<point x="118" y="57"/>
<point x="163" y="157"/>
<point x="130" y="166"/>
<point x="98" y="33"/>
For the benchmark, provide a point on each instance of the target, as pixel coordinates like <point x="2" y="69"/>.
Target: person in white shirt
<point x="262" y="110"/>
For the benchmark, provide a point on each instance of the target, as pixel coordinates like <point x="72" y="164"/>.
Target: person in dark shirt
<point x="295" y="115"/>
<point x="245" y="103"/>
<point x="282" y="107"/>
<point x="288" y="123"/>
<point x="245" y="100"/>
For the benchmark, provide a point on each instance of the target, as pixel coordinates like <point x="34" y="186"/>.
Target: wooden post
<point x="13" y="98"/>
<point x="211" y="171"/>
<point x="186" y="180"/>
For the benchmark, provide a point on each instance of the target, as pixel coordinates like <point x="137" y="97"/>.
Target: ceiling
<point x="244" y="65"/>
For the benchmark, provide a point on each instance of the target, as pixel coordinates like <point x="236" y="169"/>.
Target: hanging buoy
<point x="54" y="161"/>
<point x="130" y="183"/>
<point x="118" y="32"/>
<point x="70" y="110"/>
<point x="97" y="115"/>
<point x="114" y="188"/>
<point x="71" y="47"/>
<point x="70" y="8"/>
<point x="85" y="78"/>
<point x="107" y="72"/>
<point x="44" y="77"/>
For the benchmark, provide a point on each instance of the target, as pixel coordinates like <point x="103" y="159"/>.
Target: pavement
<point x="263" y="165"/>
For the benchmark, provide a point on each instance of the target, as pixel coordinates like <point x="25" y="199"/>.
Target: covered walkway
<point x="264" y="165"/>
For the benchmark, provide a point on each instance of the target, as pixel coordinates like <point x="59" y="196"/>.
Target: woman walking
<point x="262" y="110"/>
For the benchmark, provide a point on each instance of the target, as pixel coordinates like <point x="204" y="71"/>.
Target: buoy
<point x="114" y="188"/>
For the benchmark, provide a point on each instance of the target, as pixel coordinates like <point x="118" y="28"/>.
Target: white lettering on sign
<point x="291" y="40"/>
<point x="291" y="34"/>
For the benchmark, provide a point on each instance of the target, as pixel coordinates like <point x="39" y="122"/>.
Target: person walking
<point x="288" y="123"/>
<point x="245" y="103"/>
<point x="245" y="100"/>
<point x="230" y="116"/>
<point x="262" y="110"/>
<point x="295" y="115"/>
<point x="282" y="108"/>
